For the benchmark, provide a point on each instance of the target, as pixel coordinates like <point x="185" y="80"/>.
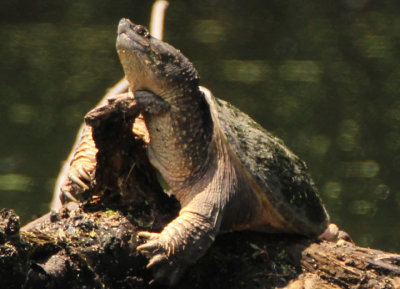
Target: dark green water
<point x="322" y="75"/>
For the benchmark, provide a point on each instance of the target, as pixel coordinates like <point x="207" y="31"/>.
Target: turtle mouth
<point x="132" y="37"/>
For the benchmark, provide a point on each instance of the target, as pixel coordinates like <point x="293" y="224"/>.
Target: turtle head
<point x="152" y="64"/>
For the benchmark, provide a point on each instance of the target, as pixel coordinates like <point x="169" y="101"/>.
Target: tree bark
<point x="92" y="244"/>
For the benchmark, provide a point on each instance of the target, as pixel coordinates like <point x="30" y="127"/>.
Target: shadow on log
<point x="92" y="244"/>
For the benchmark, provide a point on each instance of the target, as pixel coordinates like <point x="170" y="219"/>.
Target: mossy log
<point x="92" y="244"/>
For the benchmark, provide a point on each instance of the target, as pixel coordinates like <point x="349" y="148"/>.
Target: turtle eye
<point x="142" y="31"/>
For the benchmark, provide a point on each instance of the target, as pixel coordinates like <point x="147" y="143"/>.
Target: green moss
<point x="110" y="212"/>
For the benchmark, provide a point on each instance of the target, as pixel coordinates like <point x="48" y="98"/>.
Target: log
<point x="92" y="243"/>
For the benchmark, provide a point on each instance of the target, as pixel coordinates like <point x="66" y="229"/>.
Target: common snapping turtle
<point x="227" y="172"/>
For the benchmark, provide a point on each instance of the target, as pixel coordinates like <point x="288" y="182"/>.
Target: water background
<point x="322" y="75"/>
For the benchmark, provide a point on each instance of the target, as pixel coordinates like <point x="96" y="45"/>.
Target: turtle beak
<point x="132" y="37"/>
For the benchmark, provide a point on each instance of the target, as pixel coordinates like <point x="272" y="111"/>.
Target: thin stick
<point x="157" y="18"/>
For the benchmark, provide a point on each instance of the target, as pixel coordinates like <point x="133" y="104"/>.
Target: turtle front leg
<point x="180" y="244"/>
<point x="151" y="102"/>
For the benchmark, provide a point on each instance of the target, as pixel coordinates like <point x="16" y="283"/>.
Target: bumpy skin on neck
<point x="180" y="139"/>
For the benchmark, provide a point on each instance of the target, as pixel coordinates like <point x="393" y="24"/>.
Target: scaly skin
<point x="197" y="155"/>
<point x="81" y="167"/>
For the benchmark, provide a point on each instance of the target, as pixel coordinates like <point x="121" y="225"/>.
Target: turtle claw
<point x="156" y="260"/>
<point x="165" y="268"/>
<point x="152" y="244"/>
<point x="79" y="181"/>
<point x="76" y="180"/>
<point x="181" y="243"/>
<point x="68" y="197"/>
<point x="80" y="175"/>
<point x="146" y="235"/>
<point x="84" y="174"/>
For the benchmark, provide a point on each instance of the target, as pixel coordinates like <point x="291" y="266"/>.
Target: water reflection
<point x="209" y="31"/>
<point x="364" y="207"/>
<point x="21" y="113"/>
<point x="13" y="182"/>
<point x="249" y="72"/>
<point x="364" y="169"/>
<point x="300" y="70"/>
